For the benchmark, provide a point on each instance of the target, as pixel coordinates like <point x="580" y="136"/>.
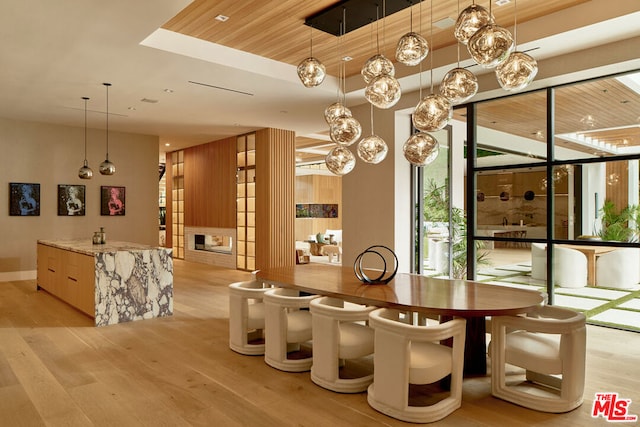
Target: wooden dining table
<point x="447" y="298"/>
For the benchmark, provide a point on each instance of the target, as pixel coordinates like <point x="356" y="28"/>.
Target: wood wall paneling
<point x="275" y="198"/>
<point x="210" y="184"/>
<point x="618" y="183"/>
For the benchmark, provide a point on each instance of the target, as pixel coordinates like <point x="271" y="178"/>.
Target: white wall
<point x="368" y="214"/>
<point x="51" y="155"/>
<point x="593" y="182"/>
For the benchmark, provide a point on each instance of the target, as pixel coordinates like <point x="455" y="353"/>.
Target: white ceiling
<point x="55" y="52"/>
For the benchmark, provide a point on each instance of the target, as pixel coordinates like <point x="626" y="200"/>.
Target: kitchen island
<point x="113" y="283"/>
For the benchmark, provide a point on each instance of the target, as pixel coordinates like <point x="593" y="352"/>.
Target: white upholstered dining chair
<point x="411" y="354"/>
<point x="246" y="317"/>
<point x="613" y="269"/>
<point x="539" y="261"/>
<point x="288" y="330"/>
<point x="550" y="346"/>
<point x="340" y="334"/>
<point x="569" y="267"/>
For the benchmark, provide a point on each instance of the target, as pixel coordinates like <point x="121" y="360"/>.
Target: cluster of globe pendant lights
<point x="490" y="45"/>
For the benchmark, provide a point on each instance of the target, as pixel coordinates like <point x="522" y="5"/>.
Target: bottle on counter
<point x="103" y="236"/>
<point x="96" y="238"/>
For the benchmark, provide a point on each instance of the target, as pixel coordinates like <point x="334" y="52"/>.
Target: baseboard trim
<point x="18" y="275"/>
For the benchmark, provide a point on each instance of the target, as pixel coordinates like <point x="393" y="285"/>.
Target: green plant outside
<point x="436" y="209"/>
<point x="620" y="226"/>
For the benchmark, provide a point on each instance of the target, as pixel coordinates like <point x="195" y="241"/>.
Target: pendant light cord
<point x="384" y="25"/>
<point x="378" y="29"/>
<point x="372" y="132"/>
<point x="107" y="86"/>
<point x="85" y="130"/>
<point x="458" y="43"/>
<point x="420" y="65"/>
<point x="343" y="66"/>
<point x="515" y="24"/>
<point x="431" y="41"/>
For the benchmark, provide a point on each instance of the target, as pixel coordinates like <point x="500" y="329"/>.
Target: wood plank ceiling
<point x="275" y="29"/>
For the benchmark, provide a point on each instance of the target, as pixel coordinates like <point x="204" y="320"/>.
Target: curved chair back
<point x="613" y="269"/>
<point x="246" y="317"/>
<point x="410" y="354"/>
<point x="340" y="336"/>
<point x="288" y="330"/>
<point x="538" y="261"/>
<point x="547" y="343"/>
<point x="569" y="267"/>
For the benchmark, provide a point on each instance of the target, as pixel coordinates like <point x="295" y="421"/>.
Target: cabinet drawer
<point x="79" y="281"/>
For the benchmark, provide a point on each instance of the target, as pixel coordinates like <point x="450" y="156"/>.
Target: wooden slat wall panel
<point x="275" y="202"/>
<point x="209" y="184"/>
<point x="618" y="192"/>
<point x="318" y="189"/>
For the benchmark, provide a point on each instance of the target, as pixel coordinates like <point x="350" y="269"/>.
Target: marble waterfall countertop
<point x="130" y="281"/>
<point x="86" y="247"/>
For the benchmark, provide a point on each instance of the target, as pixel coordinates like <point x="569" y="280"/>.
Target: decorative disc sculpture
<point x="383" y="277"/>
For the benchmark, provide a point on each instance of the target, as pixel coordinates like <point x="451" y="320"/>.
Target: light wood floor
<point x="56" y="369"/>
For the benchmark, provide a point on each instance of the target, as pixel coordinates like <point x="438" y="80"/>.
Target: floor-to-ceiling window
<point x="433" y="205"/>
<point x="556" y="206"/>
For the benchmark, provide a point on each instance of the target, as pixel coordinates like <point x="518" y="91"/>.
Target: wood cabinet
<point x="69" y="276"/>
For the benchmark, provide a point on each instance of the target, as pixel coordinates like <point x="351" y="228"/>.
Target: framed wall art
<point x="71" y="200"/>
<point x="316" y="210"/>
<point x="112" y="200"/>
<point x="24" y="199"/>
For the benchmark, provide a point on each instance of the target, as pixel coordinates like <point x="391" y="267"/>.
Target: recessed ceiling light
<point x="222" y="18"/>
<point x="168" y="90"/>
<point x="131" y="108"/>
<point x="347" y="58"/>
<point x="502" y="2"/>
<point x="166" y="144"/>
<point x="447" y="22"/>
